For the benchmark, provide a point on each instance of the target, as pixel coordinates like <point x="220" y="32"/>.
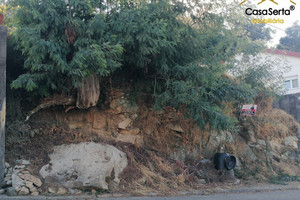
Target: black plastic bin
<point x="224" y="160"/>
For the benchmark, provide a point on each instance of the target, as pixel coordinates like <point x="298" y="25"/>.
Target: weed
<point x="282" y="179"/>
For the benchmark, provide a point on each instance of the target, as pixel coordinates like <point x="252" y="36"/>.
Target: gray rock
<point x="205" y="161"/>
<point x="36" y="181"/>
<point x="17" y="182"/>
<point x="32" y="134"/>
<point x="237" y="181"/>
<point x="238" y="164"/>
<point x="74" y="191"/>
<point x="7" y="165"/>
<point x="2" y="191"/>
<point x="30" y="186"/>
<point x="291" y="141"/>
<point x="9" y="171"/>
<point x="229" y="174"/>
<point x="124" y="124"/>
<point x="274" y="144"/>
<point x="62" y="191"/>
<point x="133" y="117"/>
<point x="23" y="191"/>
<point x="52" y="190"/>
<point x="8" y="183"/>
<point x="176" y="127"/>
<point x="11" y="191"/>
<point x="286" y="155"/>
<point x="261" y="142"/>
<point x="7" y="178"/>
<point x="248" y="153"/>
<point x="34" y="193"/>
<point x="129" y="108"/>
<point x="85" y="164"/>
<point x="184" y="153"/>
<point x="23" y="162"/>
<point x="202" y="181"/>
<point x="227" y="136"/>
<point x="20" y="166"/>
<point x="249" y="136"/>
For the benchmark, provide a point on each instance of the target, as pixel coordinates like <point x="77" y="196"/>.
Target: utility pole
<point x="3" y="37"/>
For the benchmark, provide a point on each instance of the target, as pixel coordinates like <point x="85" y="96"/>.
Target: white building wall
<point x="292" y="63"/>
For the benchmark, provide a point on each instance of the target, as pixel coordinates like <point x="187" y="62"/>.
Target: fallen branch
<point x="55" y="100"/>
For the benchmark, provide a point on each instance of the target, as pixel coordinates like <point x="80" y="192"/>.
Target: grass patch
<point x="282" y="179"/>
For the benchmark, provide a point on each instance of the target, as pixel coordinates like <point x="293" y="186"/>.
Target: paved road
<point x="273" y="195"/>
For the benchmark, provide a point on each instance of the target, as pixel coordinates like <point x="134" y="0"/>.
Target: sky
<point x="288" y="19"/>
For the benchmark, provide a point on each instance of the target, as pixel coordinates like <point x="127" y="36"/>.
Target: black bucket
<point x="230" y="162"/>
<point x="224" y="160"/>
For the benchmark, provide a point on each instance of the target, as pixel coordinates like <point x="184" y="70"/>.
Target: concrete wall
<point x="290" y="104"/>
<point x="3" y="32"/>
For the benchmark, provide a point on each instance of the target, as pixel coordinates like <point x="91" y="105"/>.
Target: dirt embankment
<point x="166" y="151"/>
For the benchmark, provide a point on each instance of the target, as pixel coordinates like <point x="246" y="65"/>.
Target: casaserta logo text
<point x="262" y="1"/>
<point x="270" y="11"/>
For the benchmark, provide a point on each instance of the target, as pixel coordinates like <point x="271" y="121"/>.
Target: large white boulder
<point x="85" y="164"/>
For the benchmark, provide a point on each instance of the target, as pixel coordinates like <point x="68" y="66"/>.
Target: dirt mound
<point x="154" y="139"/>
<point x="148" y="170"/>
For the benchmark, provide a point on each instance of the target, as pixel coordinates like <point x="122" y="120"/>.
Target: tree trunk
<point x="88" y="93"/>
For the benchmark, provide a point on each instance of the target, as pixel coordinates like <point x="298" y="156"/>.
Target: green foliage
<point x="282" y="179"/>
<point x="248" y="172"/>
<point x="63" y="43"/>
<point x="2" y="9"/>
<point x="179" y="56"/>
<point x="173" y="50"/>
<point x="291" y="41"/>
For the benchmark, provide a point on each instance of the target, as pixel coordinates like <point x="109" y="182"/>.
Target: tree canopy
<point x="63" y="42"/>
<point x="177" y="52"/>
<point x="291" y="41"/>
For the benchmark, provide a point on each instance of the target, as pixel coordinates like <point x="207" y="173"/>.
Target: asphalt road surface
<point x="273" y="195"/>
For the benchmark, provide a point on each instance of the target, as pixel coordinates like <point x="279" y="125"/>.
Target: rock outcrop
<point x="85" y="165"/>
<point x="19" y="181"/>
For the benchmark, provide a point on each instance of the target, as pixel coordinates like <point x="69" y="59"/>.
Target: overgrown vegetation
<point x="282" y="179"/>
<point x="291" y="41"/>
<point x="178" y="56"/>
<point x="178" y="53"/>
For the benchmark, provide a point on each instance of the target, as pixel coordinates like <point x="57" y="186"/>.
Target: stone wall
<point x="290" y="104"/>
<point x="3" y="32"/>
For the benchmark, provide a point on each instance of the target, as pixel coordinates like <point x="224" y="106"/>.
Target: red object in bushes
<point x="1" y="19"/>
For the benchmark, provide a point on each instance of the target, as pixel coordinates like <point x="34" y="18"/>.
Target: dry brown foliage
<point x="157" y="134"/>
<point x="270" y="122"/>
<point x="275" y="123"/>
